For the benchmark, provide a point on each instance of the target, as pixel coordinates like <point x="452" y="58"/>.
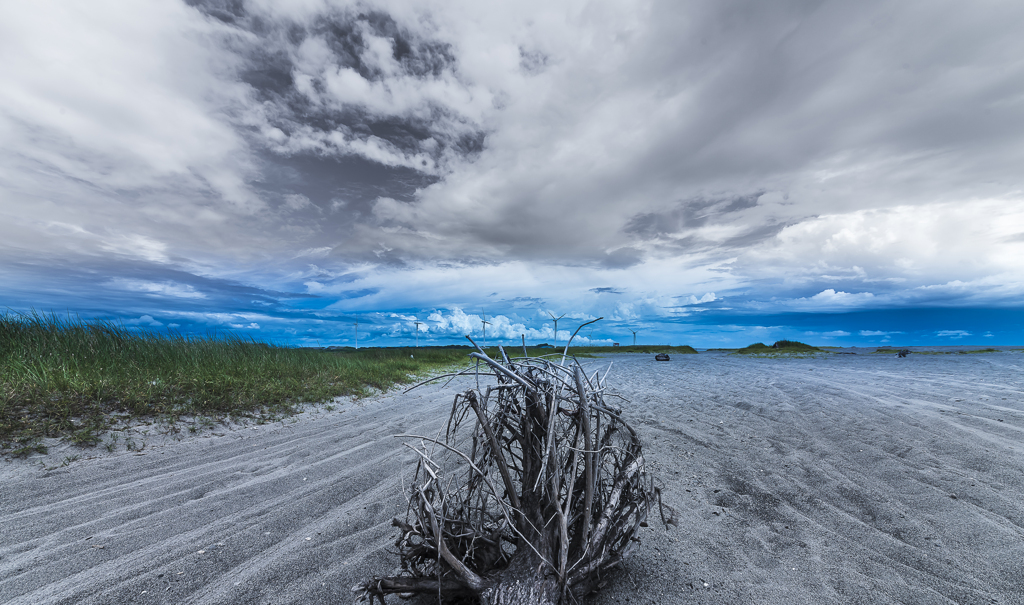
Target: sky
<point x="703" y="172"/>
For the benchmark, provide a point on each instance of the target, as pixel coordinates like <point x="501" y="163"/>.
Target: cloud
<point x="296" y="201"/>
<point x="344" y="80"/>
<point x="877" y="333"/>
<point x="427" y="154"/>
<point x="830" y="334"/>
<point x="828" y="300"/>
<point x="226" y="320"/>
<point x="830" y="296"/>
<point x="301" y="102"/>
<point x="320" y="252"/>
<point x="169" y="289"/>
<point x="622" y="258"/>
<point x="145" y="320"/>
<point x="88" y="104"/>
<point x="954" y="334"/>
<point x="931" y="253"/>
<point x="693" y="300"/>
<point x="691" y="173"/>
<point x="457" y="322"/>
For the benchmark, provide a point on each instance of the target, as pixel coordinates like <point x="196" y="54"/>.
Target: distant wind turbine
<point x="484" y="322"/>
<point x="555" y="319"/>
<point x="418" y="324"/>
<point x="356" y="324"/>
<point x="634" y="337"/>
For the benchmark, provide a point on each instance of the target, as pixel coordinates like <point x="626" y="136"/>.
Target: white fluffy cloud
<point x="456" y="322"/>
<point x="928" y="248"/>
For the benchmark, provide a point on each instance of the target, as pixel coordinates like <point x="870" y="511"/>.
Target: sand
<point x="836" y="479"/>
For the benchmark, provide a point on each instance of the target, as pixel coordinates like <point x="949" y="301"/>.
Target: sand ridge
<point x="831" y="479"/>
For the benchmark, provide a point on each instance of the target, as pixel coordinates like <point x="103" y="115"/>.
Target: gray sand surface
<point x="836" y="479"/>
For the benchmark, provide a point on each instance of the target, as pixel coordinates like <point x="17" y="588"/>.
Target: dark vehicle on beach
<point x="661" y="357"/>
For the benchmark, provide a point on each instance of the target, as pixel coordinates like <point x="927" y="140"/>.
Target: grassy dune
<point x="779" y="347"/>
<point x="71" y="379"/>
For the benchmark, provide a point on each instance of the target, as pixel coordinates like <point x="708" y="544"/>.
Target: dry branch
<point x="538" y="490"/>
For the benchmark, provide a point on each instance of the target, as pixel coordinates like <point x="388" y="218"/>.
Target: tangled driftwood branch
<point x="536" y="489"/>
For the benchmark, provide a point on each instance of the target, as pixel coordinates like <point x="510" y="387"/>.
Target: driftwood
<point x="536" y="489"/>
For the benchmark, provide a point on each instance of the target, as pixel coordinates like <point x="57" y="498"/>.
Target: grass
<point x="74" y="380"/>
<point x="780" y="346"/>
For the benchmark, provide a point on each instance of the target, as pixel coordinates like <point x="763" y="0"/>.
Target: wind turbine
<point x="634" y="337"/>
<point x="418" y="324"/>
<point x="356" y="324"/>
<point x="555" y="319"/>
<point x="484" y="322"/>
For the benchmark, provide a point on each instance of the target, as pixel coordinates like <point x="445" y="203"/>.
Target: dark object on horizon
<point x="545" y="345"/>
<point x="661" y="357"/>
<point x="550" y="489"/>
<point x="903" y="353"/>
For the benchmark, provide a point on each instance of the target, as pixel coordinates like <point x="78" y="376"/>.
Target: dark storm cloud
<point x="606" y="290"/>
<point x="752" y="236"/>
<point x="302" y="70"/>
<point x="622" y="258"/>
<point x="677" y="230"/>
<point x="689" y="214"/>
<point x="349" y="184"/>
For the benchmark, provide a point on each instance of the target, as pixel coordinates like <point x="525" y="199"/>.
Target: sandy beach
<point x="832" y="479"/>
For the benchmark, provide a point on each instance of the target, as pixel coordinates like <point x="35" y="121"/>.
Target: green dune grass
<point x="67" y="378"/>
